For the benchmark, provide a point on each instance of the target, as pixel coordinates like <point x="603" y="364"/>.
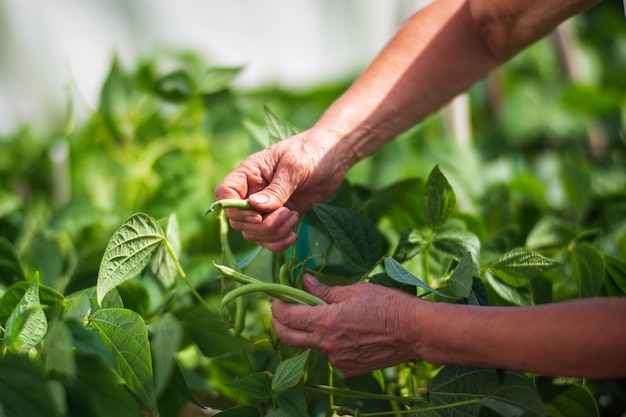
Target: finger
<point x="236" y="216"/>
<point x="294" y="337"/>
<point x="326" y="293"/>
<point x="280" y="245"/>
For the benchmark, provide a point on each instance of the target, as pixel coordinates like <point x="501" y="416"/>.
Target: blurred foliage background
<point x="547" y="137"/>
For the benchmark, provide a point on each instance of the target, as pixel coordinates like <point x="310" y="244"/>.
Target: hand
<point x="280" y="182"/>
<point x="362" y="328"/>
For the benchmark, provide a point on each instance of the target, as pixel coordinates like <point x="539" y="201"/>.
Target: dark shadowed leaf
<point x="461" y="279"/>
<point x="257" y="385"/>
<point x="615" y="278"/>
<point x="239" y="411"/>
<point x="567" y="400"/>
<point x="166" y="334"/>
<point x="292" y="403"/>
<point x="11" y="269"/>
<point x="356" y="236"/>
<point x="456" y="383"/>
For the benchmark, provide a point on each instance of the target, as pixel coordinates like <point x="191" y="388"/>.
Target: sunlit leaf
<point x="27" y="324"/>
<point x="13" y="295"/>
<point x="457" y="243"/>
<point x="518" y="266"/>
<point x="128" y="252"/>
<point x="456" y="383"/>
<point x="126" y="335"/>
<point x="289" y="372"/>
<point x="439" y="199"/>
<point x="278" y="128"/>
<point x="549" y="232"/>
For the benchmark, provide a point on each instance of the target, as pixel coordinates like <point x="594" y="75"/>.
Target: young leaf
<point x="126" y="336"/>
<point x="11" y="269"/>
<point x="278" y="128"/>
<point x="398" y="273"/>
<point x="519" y="266"/>
<point x="588" y="267"/>
<point x="289" y="372"/>
<point x="27" y="325"/>
<point x="439" y="199"/>
<point x="15" y="293"/>
<point x="461" y="280"/>
<point x="356" y="236"/>
<point x="456" y="383"/>
<point x="457" y="243"/>
<point x="128" y="252"/>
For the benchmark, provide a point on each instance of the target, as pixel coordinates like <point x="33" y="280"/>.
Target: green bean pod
<point x="282" y="292"/>
<point x="283" y="275"/>
<point x="236" y="275"/>
<point x="230" y="203"/>
<point x="240" y="315"/>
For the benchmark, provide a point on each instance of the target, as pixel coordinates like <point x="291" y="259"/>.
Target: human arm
<point x="365" y="327"/>
<point x="439" y="52"/>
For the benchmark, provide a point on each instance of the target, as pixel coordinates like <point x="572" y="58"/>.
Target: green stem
<point x="324" y="389"/>
<point x="182" y="273"/>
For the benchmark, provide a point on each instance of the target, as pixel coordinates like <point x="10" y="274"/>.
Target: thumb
<point x="316" y="288"/>
<point x="275" y="195"/>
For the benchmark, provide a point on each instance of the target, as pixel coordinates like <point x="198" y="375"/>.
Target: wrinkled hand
<point x="362" y="328"/>
<point x="280" y="182"/>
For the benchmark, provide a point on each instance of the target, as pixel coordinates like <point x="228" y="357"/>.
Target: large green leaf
<point x="126" y="335"/>
<point x="60" y="348"/>
<point x="11" y="269"/>
<point x="27" y="324"/>
<point x="457" y="243"/>
<point x="128" y="252"/>
<point x="454" y="384"/>
<point x="289" y="372"/>
<point x="439" y="199"/>
<point x="25" y="390"/>
<point x="588" y="267"/>
<point x="519" y="266"/>
<point x="356" y="236"/>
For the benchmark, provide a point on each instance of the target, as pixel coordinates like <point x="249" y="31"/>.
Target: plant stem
<point x="182" y="273"/>
<point x="325" y="389"/>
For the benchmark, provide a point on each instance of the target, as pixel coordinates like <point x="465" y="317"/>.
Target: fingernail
<point x="259" y="198"/>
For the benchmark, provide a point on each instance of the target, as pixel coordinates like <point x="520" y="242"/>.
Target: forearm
<point x="440" y="52"/>
<point x="582" y="338"/>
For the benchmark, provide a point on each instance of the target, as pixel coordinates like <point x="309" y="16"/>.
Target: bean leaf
<point x="11" y="269"/>
<point x="128" y="252"/>
<point x="588" y="267"/>
<point x="519" y="266"/>
<point x="400" y="274"/>
<point x="126" y="335"/>
<point x="461" y="280"/>
<point x="27" y="324"/>
<point x="439" y="199"/>
<point x="289" y="372"/>
<point x="278" y="128"/>
<point x="500" y="390"/>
